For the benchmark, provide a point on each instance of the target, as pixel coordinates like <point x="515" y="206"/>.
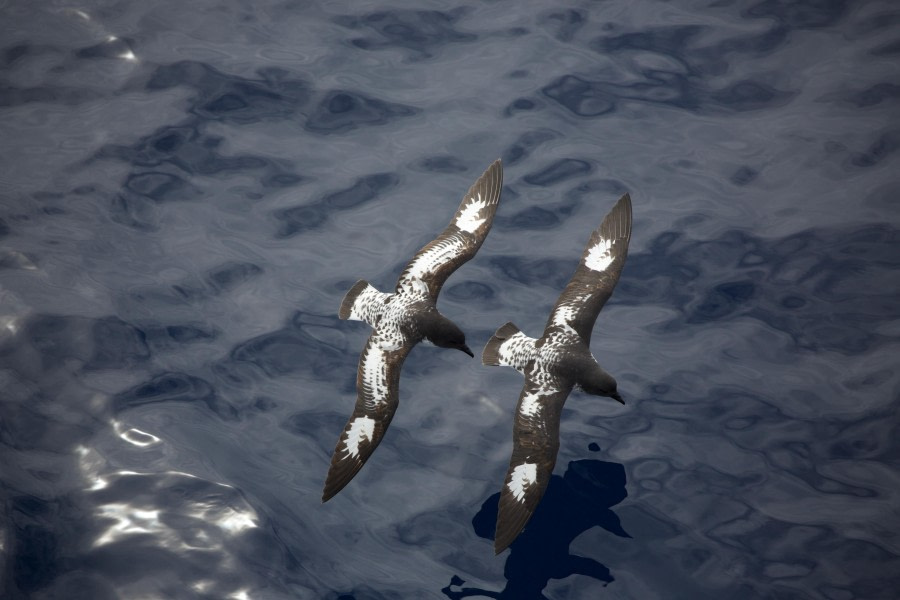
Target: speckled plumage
<point x="554" y="364"/>
<point x="402" y="319"/>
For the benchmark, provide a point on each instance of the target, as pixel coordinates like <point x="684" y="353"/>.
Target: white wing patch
<point x="469" y="220"/>
<point x="361" y="430"/>
<point x="442" y="252"/>
<point x="414" y="286"/>
<point x="531" y="403"/>
<point x="600" y="255"/>
<point x="523" y="476"/>
<point x="375" y="371"/>
<point x="566" y="313"/>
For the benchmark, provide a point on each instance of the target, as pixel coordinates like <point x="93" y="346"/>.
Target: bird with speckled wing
<point x="401" y="320"/>
<point x="553" y="365"/>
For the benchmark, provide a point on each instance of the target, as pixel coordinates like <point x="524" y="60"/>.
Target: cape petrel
<point x="404" y="318"/>
<point x="552" y="365"/>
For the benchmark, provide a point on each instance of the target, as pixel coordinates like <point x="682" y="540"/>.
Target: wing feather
<point x="597" y="273"/>
<point x="377" y="396"/>
<point x="535" y="444"/>
<point x="462" y="238"/>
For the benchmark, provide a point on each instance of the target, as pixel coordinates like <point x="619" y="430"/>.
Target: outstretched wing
<point x="597" y="273"/>
<point x="462" y="238"/>
<point x="535" y="444"/>
<point x="377" y="393"/>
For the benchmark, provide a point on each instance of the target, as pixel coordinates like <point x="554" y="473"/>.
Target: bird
<point x="402" y="319"/>
<point x="553" y="365"/>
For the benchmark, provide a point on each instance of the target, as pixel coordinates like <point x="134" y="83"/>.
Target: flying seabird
<point x="552" y="365"/>
<point x="404" y="318"/>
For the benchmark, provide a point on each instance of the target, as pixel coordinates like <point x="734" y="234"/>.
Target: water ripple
<point x="190" y="190"/>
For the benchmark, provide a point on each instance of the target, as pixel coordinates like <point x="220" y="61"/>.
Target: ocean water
<point x="188" y="189"/>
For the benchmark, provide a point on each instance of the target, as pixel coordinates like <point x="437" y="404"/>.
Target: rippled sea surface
<point x="187" y="190"/>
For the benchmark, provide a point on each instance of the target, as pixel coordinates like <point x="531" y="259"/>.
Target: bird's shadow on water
<point x="577" y="501"/>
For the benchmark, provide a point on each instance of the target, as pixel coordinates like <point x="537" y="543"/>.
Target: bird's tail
<point x="362" y="303"/>
<point x="350" y="298"/>
<point x="492" y="352"/>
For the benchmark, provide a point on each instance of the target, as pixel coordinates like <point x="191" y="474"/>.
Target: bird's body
<point x="553" y="365"/>
<point x="401" y="320"/>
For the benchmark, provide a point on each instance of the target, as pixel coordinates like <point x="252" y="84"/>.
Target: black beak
<point x="615" y="396"/>
<point x="467" y="351"/>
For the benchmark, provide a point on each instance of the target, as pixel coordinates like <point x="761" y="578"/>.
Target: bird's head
<point x="598" y="382"/>
<point x="442" y="332"/>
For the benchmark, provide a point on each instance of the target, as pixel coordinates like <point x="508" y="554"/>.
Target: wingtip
<point x="503" y="540"/>
<point x="330" y="490"/>
<point x="340" y="473"/>
<point x="617" y="222"/>
<point x="512" y="517"/>
<point x="501" y="544"/>
<point x="624" y="201"/>
<point x="336" y="481"/>
<point x="493" y="178"/>
<point x="486" y="191"/>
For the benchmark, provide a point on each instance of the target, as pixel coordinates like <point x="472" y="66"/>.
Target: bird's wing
<point x="377" y="393"/>
<point x="597" y="273"/>
<point x="461" y="239"/>
<point x="535" y="444"/>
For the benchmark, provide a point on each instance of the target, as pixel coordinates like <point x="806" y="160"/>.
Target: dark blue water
<point x="188" y="189"/>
